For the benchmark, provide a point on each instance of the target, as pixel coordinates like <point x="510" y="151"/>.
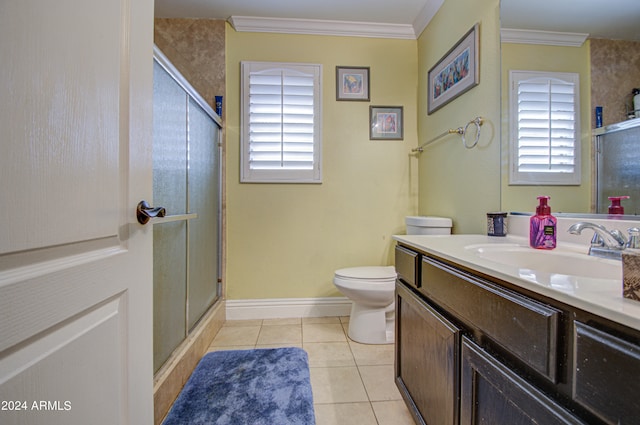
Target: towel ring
<point x="478" y="121"/>
<point x="463" y="132"/>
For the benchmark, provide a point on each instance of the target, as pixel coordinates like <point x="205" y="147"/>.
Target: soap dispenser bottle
<point x="542" y="226"/>
<point x="616" y="208"/>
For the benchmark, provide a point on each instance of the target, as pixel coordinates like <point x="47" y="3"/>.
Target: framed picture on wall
<point x="456" y="72"/>
<point x="385" y="123"/>
<point x="352" y="83"/>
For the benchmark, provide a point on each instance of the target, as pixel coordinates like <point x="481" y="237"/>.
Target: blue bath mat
<point x="247" y="387"/>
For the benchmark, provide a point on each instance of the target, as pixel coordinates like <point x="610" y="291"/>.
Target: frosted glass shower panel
<point x="169" y="239"/>
<point x="169" y="143"/>
<point x="618" y="172"/>
<point x="204" y="187"/>
<point x="186" y="181"/>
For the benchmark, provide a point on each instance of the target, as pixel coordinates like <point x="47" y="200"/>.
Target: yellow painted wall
<point x="454" y="181"/>
<point x="286" y="240"/>
<point x="527" y="57"/>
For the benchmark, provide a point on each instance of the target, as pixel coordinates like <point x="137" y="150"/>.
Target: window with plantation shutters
<point x="544" y="128"/>
<point x="280" y="137"/>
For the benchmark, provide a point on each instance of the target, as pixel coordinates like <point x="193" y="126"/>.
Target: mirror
<point x="612" y="33"/>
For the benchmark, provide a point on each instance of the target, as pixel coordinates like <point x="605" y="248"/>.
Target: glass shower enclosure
<point x="187" y="182"/>
<point x="617" y="170"/>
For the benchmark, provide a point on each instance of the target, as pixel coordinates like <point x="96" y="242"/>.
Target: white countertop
<point x="602" y="297"/>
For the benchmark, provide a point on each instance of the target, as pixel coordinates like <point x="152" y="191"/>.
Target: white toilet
<point x="371" y="289"/>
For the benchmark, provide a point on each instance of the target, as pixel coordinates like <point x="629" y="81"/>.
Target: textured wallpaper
<point x="615" y="72"/>
<point x="196" y="47"/>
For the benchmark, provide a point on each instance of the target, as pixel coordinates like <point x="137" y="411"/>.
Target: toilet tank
<point x="425" y="225"/>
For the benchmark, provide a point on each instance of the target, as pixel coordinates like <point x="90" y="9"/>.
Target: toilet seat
<point x="373" y="274"/>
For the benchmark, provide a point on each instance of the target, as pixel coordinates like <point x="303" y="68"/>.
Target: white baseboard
<point x="278" y="308"/>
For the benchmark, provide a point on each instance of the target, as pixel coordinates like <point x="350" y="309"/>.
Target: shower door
<point x="186" y="181"/>
<point x="617" y="172"/>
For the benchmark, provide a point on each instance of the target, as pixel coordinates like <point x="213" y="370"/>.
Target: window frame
<point x="282" y="175"/>
<point x="517" y="177"/>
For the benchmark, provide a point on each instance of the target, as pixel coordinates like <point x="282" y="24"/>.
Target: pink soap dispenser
<point x="616" y="208"/>
<point x="542" y="226"/>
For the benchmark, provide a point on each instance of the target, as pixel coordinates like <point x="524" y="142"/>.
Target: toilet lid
<point x="368" y="273"/>
<point x="428" y="221"/>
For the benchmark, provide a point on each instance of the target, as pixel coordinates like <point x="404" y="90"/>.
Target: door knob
<point x="145" y="212"/>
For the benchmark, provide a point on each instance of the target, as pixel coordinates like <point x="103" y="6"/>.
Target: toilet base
<point x="372" y="325"/>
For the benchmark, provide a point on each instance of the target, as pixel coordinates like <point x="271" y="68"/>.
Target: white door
<point x="75" y="159"/>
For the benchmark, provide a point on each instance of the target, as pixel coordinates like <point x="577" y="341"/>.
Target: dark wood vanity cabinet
<point x="472" y="349"/>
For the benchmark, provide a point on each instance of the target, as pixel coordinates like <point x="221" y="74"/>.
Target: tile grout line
<point x="359" y="373"/>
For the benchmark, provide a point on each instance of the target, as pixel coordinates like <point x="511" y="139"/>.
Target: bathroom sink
<point x="549" y="261"/>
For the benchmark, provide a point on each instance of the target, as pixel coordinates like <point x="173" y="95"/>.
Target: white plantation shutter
<point x="281" y="122"/>
<point x="545" y="130"/>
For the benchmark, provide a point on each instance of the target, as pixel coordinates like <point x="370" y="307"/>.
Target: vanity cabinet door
<point x="427" y="360"/>
<point x="493" y="394"/>
<point x="606" y="375"/>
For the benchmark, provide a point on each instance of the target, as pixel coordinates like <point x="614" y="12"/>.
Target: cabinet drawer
<point x="525" y="328"/>
<point x="606" y="375"/>
<point x="407" y="262"/>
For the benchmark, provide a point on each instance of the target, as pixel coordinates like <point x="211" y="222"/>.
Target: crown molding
<point x="551" y="38"/>
<point x="426" y="15"/>
<point x="322" y="27"/>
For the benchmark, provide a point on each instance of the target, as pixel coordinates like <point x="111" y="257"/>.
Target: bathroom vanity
<point x="488" y="332"/>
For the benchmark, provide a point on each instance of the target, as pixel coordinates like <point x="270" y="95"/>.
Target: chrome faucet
<point x="634" y="238"/>
<point x="607" y="243"/>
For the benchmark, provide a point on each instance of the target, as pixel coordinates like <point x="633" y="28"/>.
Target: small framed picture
<point x="352" y="83"/>
<point x="385" y="123"/>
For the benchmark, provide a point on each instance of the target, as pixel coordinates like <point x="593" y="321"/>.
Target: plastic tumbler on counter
<point x="497" y="224"/>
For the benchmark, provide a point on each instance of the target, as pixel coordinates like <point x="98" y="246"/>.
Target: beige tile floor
<point x="352" y="383"/>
